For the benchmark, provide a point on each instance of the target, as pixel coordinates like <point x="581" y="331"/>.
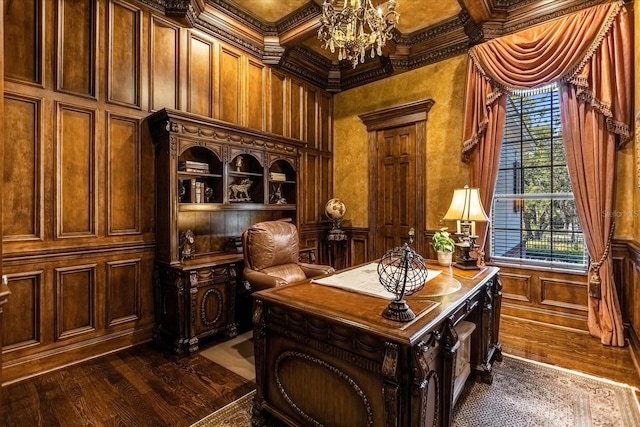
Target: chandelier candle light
<point x="357" y="28"/>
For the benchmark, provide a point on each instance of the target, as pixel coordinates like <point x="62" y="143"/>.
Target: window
<point x="534" y="217"/>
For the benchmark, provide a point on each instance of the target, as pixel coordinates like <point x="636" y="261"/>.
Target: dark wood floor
<point x="573" y="350"/>
<point x="139" y="386"/>
<point x="143" y="387"/>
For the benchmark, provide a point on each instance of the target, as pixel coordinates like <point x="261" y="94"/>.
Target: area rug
<point x="235" y="354"/>
<point x="523" y="393"/>
<point x="527" y="393"/>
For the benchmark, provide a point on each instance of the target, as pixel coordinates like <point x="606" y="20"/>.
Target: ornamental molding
<point x="229" y="37"/>
<point x="431" y="32"/>
<point x="242" y="16"/>
<point x="303" y="73"/>
<point x="289" y="22"/>
<point x="535" y="20"/>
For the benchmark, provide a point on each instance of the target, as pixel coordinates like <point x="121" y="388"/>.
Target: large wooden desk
<point x="326" y="356"/>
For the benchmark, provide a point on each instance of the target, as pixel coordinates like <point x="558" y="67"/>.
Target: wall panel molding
<point x="24" y="38"/>
<point x="200" y="95"/>
<point x="229" y="93"/>
<point x="77" y="47"/>
<point x="297" y="121"/>
<point x="516" y="287"/>
<point x="123" y="54"/>
<point x="123" y="292"/>
<point x="557" y="298"/>
<point x="23" y="213"/>
<point x="563" y="294"/>
<point x="76" y="186"/>
<point x="123" y="177"/>
<point x="75" y="305"/>
<point x="24" y="311"/>
<point x="256" y="103"/>
<point x="164" y="64"/>
<point x="277" y="117"/>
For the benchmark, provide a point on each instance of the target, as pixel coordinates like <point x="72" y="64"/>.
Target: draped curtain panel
<point x="588" y="55"/>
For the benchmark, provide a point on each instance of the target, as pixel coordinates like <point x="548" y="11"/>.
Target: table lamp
<point x="466" y="209"/>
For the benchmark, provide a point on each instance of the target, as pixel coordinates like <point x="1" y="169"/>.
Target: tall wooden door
<point x="397" y="181"/>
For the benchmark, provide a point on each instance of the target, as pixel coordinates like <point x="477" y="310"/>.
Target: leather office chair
<point x="271" y="254"/>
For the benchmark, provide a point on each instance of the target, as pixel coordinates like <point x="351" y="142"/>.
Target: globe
<point x="335" y="210"/>
<point x="401" y="271"/>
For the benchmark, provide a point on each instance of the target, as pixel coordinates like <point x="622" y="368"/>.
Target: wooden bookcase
<point x="213" y="180"/>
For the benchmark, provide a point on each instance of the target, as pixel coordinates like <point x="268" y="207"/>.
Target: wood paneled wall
<point x="626" y="270"/>
<point x="553" y="296"/>
<point x="4" y="289"/>
<point x="79" y="205"/>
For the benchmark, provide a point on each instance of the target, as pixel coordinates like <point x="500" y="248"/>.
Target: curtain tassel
<point x="595" y="282"/>
<point x="595" y="290"/>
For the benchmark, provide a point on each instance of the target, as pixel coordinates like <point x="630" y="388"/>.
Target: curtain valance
<point x="585" y="49"/>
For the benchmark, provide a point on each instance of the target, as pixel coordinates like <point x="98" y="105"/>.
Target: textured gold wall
<point x="444" y="83"/>
<point x="634" y="174"/>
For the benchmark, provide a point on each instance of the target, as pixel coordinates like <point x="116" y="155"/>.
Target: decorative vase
<point x="444" y="258"/>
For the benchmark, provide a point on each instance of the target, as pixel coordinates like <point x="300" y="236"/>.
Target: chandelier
<point x="357" y="28"/>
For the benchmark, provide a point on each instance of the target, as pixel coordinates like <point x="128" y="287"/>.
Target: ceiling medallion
<point x="357" y="28"/>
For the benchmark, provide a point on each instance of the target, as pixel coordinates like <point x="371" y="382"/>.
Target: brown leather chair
<point x="271" y="254"/>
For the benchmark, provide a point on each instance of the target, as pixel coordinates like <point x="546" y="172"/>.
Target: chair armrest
<point x="260" y="281"/>
<point x="313" y="270"/>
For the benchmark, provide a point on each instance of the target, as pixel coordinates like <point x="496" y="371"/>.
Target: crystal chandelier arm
<point x="356" y="28"/>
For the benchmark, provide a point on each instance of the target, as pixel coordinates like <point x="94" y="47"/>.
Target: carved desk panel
<point x="326" y="356"/>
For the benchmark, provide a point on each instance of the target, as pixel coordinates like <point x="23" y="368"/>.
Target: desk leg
<point x="491" y="348"/>
<point x="451" y="345"/>
<point x="259" y="332"/>
<point x="390" y="387"/>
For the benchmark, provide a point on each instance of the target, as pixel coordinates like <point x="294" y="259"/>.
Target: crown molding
<point x="278" y="44"/>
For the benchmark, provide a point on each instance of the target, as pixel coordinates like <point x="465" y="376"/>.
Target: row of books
<point x="192" y="166"/>
<point x="194" y="191"/>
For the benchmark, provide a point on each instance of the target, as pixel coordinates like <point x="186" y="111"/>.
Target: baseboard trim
<point x="634" y="348"/>
<point x="39" y="363"/>
<point x="546" y="317"/>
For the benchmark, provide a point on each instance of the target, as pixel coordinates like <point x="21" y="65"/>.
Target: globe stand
<point x="398" y="311"/>
<point x="402" y="272"/>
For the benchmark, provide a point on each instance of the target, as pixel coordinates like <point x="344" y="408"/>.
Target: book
<point x="192" y="166"/>
<point x="277" y="176"/>
<point x="234" y="244"/>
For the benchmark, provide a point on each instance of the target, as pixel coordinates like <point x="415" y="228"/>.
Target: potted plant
<point x="444" y="246"/>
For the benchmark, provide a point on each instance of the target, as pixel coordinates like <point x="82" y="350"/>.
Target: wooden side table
<point x="337" y="246"/>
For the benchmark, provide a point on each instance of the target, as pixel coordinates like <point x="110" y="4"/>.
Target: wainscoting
<point x="78" y="222"/>
<point x="626" y="268"/>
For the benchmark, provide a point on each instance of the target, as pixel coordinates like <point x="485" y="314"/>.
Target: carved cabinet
<point x="213" y="181"/>
<point x="194" y="301"/>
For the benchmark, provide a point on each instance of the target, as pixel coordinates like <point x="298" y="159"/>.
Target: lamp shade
<point x="466" y="206"/>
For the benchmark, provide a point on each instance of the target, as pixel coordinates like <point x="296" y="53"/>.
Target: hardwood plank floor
<point x="143" y="387"/>
<point x="139" y="386"/>
<point x="568" y="349"/>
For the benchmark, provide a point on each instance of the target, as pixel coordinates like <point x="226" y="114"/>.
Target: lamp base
<point x="398" y="311"/>
<point x="465" y="261"/>
<point x="467" y="264"/>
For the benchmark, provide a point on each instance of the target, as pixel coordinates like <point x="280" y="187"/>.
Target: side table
<point x="337" y="247"/>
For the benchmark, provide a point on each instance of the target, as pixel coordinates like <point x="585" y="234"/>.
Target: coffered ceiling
<point x="284" y="32"/>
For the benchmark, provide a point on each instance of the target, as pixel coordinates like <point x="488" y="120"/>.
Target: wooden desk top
<point x="364" y="312"/>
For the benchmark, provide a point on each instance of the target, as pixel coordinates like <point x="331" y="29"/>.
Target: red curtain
<point x="588" y="54"/>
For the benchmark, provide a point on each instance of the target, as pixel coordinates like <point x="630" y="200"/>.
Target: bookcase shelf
<point x="212" y="183"/>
